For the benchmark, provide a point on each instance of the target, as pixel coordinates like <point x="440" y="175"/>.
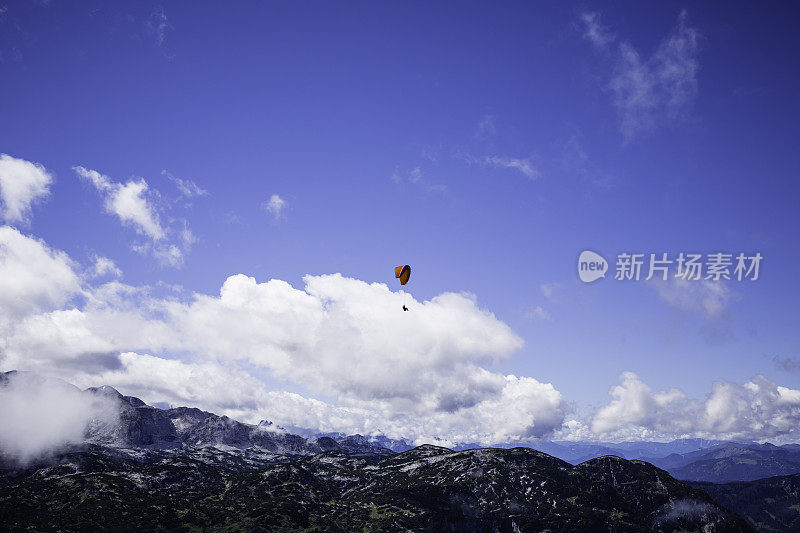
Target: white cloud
<point x="157" y="24"/>
<point x="420" y="374"/>
<point x="169" y="254"/>
<point x="576" y="160"/>
<point x="188" y="238"/>
<point x="101" y="183"/>
<point x="396" y="176"/>
<point x="103" y="266"/>
<point x="22" y="183"/>
<point x="594" y="31"/>
<point x="676" y="65"/>
<point x="327" y="336"/>
<point x="704" y="297"/>
<point x="522" y="165"/>
<point x="275" y="206"/>
<point x="757" y="409"/>
<point x="423" y="375"/>
<point x="523" y="408"/>
<point x="130" y="205"/>
<point x="538" y="314"/>
<point x="632" y="403"/>
<point x="156" y="379"/>
<point x="653" y="90"/>
<point x="127" y="201"/>
<point x="575" y="431"/>
<point x="33" y="277"/>
<point x="41" y="415"/>
<point x="416" y="176"/>
<point x="486" y="127"/>
<point x="550" y="290"/>
<point x="136" y="207"/>
<point x="186" y="187"/>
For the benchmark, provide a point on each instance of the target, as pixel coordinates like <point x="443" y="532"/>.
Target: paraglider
<point x="403" y="273"/>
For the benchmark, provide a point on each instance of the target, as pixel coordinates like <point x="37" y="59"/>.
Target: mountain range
<point x="184" y="468"/>
<point x="732" y="462"/>
<point x="143" y="426"/>
<point x="770" y="505"/>
<point x="685" y="459"/>
<point x="423" y="489"/>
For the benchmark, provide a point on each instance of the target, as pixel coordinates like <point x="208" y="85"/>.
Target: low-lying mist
<point x="41" y="415"/>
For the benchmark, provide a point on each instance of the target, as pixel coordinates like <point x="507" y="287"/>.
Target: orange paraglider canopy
<point x="403" y="272"/>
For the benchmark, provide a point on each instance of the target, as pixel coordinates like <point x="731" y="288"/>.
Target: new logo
<point x="591" y="266"/>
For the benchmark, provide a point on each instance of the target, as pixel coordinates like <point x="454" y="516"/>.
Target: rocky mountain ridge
<point x="135" y="424"/>
<point x="424" y="489"/>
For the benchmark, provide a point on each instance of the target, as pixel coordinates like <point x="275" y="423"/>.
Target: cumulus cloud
<point x="224" y="389"/>
<point x="424" y="375"/>
<point x="418" y="375"/>
<point x="649" y="91"/>
<point x="341" y="336"/>
<point x="524" y="409"/>
<point x="22" y="183"/>
<point x="42" y="415"/>
<point x="33" y="277"/>
<point x="757" y="409"/>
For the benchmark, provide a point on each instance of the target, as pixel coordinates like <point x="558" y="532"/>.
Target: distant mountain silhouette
<point x="732" y="462"/>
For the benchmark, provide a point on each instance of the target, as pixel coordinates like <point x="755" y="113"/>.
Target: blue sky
<point x="485" y="145"/>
